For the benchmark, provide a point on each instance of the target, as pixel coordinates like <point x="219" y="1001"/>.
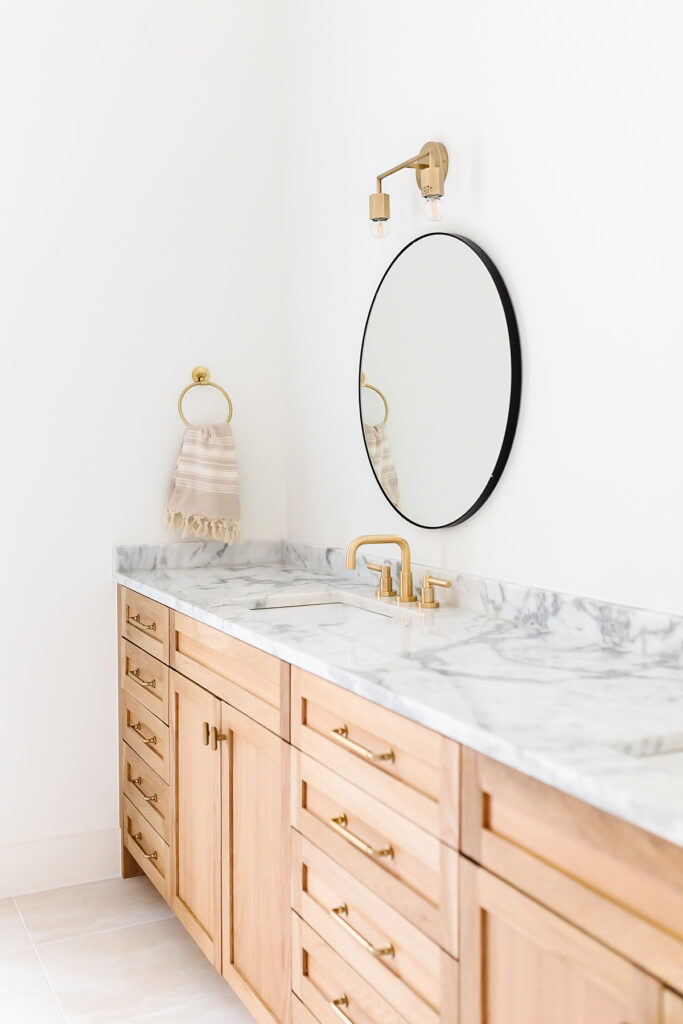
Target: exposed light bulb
<point x="380" y="228"/>
<point x="435" y="207"/>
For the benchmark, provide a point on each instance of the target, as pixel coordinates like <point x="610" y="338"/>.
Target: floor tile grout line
<point x="103" y="931"/>
<point x="48" y="979"/>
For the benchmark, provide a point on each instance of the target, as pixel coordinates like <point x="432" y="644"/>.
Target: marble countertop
<point x="603" y="724"/>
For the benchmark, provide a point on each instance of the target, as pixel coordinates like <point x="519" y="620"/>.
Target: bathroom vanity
<point x="338" y="857"/>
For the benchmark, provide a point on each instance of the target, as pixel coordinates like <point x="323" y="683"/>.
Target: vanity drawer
<point x="146" y="734"/>
<point x="144" y="622"/>
<point x="255" y="683"/>
<point x="614" y="881"/>
<point x="147" y="791"/>
<point x="321" y="977"/>
<point x="405" y="967"/>
<point x="147" y="848"/>
<point x="144" y="678"/>
<point x="410" y="768"/>
<point x="402" y="864"/>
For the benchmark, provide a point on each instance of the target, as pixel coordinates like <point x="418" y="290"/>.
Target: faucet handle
<point x="427" y="591"/>
<point x="386" y="583"/>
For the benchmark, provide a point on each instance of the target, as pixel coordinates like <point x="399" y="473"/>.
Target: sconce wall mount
<point x="431" y="168"/>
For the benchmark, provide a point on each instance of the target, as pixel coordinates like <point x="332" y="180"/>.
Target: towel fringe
<point x="202" y="526"/>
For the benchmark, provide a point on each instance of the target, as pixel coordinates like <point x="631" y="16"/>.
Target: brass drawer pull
<point x="136" y="837"/>
<point x="138" y="783"/>
<point x="340" y="914"/>
<point x="336" y="1005"/>
<point x="340" y="825"/>
<point x="205" y="733"/>
<point x="137" y="678"/>
<point x="216" y="737"/>
<point x="137" y="727"/>
<point x="341" y="735"/>
<point x="147" y="627"/>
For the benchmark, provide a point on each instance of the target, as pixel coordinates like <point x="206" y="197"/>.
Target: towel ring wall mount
<point x="377" y="391"/>
<point x="201" y="377"/>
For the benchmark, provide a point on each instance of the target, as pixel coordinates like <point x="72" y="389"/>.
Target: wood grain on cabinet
<point x="147" y="848"/>
<point x="616" y="882"/>
<point x="673" y="1008"/>
<point x="255" y="683"/>
<point x="409" y="869"/>
<point x="146" y="734"/>
<point x="349" y="734"/>
<point x="144" y="678"/>
<point x="521" y="964"/>
<point x="147" y="791"/>
<point x="144" y="622"/>
<point x="412" y="973"/>
<point x="196" y="848"/>
<point x="320" y="976"/>
<point x="256" y="867"/>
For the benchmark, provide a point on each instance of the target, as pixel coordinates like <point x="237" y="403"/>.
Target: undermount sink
<point x="319" y="613"/>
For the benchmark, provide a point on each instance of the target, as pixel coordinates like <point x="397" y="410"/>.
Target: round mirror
<point x="440" y="380"/>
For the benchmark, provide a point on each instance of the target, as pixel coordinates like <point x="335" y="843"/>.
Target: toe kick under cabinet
<point x="340" y="864"/>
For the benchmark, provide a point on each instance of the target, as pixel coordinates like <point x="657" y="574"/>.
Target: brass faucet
<point x="405" y="590"/>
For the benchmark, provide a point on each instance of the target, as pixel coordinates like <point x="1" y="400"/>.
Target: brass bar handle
<point x="341" y="736"/>
<point x="336" y="1006"/>
<point x="136" y="837"/>
<point x="216" y="737"/>
<point x="340" y="914"/>
<point x="340" y="826"/>
<point x="137" y="678"/>
<point x="136" y="621"/>
<point x="138" y="784"/>
<point x="137" y="727"/>
<point x="205" y="733"/>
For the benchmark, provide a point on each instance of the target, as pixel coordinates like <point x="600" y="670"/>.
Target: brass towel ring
<point x="378" y="392"/>
<point x="200" y="375"/>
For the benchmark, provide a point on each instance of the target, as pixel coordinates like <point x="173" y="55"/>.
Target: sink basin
<point x="323" y="613"/>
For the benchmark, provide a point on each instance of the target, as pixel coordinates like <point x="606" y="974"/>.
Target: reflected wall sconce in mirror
<point x="431" y="167"/>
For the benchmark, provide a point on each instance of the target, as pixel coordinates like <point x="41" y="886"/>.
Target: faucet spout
<point x="406" y="587"/>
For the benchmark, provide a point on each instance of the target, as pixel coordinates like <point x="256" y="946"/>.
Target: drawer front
<point x="147" y="791"/>
<point x="405" y="967"/>
<point x="255" y="683"/>
<point x="146" y="734"/>
<point x="405" y="866"/>
<point x="147" y="848"/>
<point x="406" y="766"/>
<point x="144" y="678"/>
<point x="331" y="989"/>
<point x="616" y="882"/>
<point x="144" y="622"/>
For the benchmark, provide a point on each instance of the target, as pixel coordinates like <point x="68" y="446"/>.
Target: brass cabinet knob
<point x="427" y="591"/>
<point x="386" y="583"/>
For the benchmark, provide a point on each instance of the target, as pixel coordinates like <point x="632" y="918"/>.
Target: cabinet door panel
<point x="197" y="847"/>
<point x="673" y="1008"/>
<point x="256" y="866"/>
<point x="520" y="964"/>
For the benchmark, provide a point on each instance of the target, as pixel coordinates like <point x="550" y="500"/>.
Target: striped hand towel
<point x="382" y="460"/>
<point x="204" y="498"/>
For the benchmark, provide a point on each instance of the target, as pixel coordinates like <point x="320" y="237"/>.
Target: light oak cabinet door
<point x="520" y="964"/>
<point x="673" y="1008"/>
<point x="196" y="893"/>
<point x="256" y="867"/>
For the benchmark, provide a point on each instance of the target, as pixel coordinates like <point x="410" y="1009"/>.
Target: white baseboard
<point x="59" y="861"/>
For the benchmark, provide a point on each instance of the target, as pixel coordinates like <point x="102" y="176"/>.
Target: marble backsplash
<point x="652" y="634"/>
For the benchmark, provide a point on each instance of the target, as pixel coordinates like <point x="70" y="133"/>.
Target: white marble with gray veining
<point x="584" y="696"/>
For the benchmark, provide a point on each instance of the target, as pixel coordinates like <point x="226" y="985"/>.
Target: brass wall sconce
<point x="431" y="168"/>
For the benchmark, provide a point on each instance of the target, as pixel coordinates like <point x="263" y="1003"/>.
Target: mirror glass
<point x="440" y="379"/>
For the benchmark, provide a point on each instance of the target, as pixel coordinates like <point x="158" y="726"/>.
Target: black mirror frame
<point x="515" y="379"/>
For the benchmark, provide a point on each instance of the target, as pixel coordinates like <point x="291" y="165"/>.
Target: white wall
<point x="562" y="122"/>
<point x="140" y="151"/>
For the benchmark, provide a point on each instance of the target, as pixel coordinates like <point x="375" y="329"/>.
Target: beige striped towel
<point x="204" y="497"/>
<point x="382" y="460"/>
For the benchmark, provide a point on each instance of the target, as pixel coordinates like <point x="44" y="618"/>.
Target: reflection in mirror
<point x="440" y="380"/>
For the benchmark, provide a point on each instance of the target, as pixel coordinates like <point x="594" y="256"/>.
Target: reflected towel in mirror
<point x="382" y="460"/>
<point x="204" y="497"/>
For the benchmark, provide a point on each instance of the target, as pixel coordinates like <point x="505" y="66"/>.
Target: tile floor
<point x="104" y="953"/>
